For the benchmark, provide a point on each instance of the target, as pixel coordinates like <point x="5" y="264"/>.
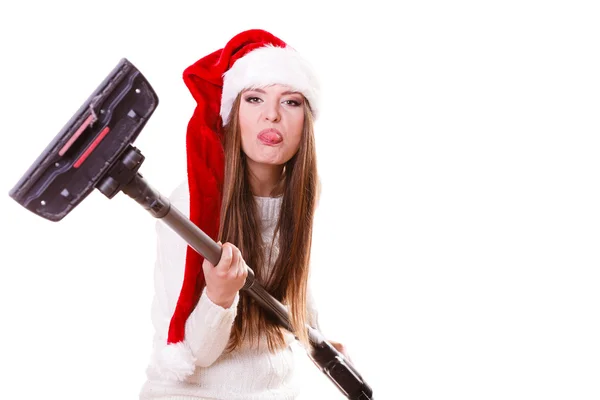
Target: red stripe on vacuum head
<point x="91" y="148"/>
<point x="73" y="138"/>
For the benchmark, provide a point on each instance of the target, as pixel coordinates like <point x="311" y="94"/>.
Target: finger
<point x="235" y="259"/>
<point x="245" y="270"/>
<point x="345" y="353"/>
<point x="207" y="264"/>
<point x="341" y="348"/>
<point x="226" y="257"/>
<point x="208" y="269"/>
<point x="242" y="270"/>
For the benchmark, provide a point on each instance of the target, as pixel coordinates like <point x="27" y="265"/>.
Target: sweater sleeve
<point x="208" y="327"/>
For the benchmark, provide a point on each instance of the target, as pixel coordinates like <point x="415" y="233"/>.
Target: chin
<point x="277" y="159"/>
<point x="271" y="162"/>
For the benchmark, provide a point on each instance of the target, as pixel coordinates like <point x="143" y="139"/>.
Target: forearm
<point x="208" y="328"/>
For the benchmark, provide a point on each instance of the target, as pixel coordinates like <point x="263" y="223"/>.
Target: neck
<point x="265" y="179"/>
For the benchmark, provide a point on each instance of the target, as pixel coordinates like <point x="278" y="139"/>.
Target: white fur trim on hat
<point x="174" y="361"/>
<point x="267" y="66"/>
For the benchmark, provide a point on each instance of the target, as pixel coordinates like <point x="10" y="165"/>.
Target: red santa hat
<point x="252" y="59"/>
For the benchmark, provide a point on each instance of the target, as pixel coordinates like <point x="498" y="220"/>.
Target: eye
<point x="253" y="99"/>
<point x="293" y="103"/>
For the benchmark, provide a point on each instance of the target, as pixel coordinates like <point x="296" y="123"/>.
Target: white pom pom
<point x="175" y="361"/>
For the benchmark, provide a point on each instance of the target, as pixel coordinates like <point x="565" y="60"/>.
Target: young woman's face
<point x="271" y="122"/>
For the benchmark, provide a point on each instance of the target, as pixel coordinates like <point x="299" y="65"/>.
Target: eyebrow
<point x="263" y="92"/>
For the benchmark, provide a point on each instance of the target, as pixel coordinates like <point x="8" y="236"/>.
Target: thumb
<point x="207" y="264"/>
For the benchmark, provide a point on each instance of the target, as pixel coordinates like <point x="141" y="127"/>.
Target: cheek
<point x="295" y="129"/>
<point x="244" y="119"/>
<point x="247" y="142"/>
<point x="246" y="127"/>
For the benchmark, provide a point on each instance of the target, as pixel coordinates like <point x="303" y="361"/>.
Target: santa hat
<point x="251" y="59"/>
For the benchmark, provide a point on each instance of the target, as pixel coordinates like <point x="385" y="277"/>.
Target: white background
<point x="456" y="243"/>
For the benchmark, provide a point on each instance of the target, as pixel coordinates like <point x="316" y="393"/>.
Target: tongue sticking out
<point x="270" y="138"/>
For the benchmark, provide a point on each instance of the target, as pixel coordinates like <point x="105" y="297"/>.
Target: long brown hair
<point x="240" y="225"/>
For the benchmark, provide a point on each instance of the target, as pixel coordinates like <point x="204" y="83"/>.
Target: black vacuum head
<point x="79" y="157"/>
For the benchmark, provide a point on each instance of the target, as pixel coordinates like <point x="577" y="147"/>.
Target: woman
<point x="252" y="185"/>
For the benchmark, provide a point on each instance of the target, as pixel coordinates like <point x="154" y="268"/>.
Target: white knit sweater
<point x="247" y="373"/>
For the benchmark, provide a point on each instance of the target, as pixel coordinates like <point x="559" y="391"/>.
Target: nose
<point x="272" y="112"/>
